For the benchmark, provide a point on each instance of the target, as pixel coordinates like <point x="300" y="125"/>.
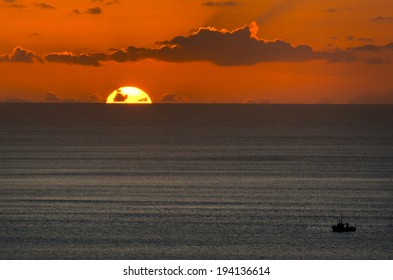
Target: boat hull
<point x="343" y="229"/>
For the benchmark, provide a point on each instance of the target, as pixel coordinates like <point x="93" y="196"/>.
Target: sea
<point x="195" y="181"/>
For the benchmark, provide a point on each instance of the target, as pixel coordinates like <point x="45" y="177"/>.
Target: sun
<point x="128" y="95"/>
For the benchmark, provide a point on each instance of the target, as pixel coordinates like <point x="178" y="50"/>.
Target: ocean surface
<point x="96" y="181"/>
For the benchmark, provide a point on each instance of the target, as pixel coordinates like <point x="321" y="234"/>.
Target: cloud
<point x="12" y="4"/>
<point x="70" y="58"/>
<point x="94" y="98"/>
<point x="221" y="4"/>
<point x="94" y="11"/>
<point x="108" y="3"/>
<point x="20" y="54"/>
<point x="221" y="47"/>
<point x="90" y="11"/>
<point x="52" y="97"/>
<point x="15" y="100"/>
<point x="373" y="48"/>
<point x="382" y="19"/>
<point x="239" y="47"/>
<point x="338" y="56"/>
<point x="44" y="6"/>
<point x="255" y="101"/>
<point x="120" y="97"/>
<point x="173" y="98"/>
<point x="337" y="10"/>
<point x="376" y="61"/>
<point x="373" y="98"/>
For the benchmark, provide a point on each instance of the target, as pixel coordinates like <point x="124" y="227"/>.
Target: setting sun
<point x="128" y="95"/>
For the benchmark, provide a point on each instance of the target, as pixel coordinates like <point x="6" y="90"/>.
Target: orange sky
<point x="278" y="51"/>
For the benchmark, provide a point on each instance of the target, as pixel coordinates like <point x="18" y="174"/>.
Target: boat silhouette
<point x="341" y="227"/>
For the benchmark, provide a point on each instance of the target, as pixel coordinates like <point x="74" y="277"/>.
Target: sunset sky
<point x="278" y="51"/>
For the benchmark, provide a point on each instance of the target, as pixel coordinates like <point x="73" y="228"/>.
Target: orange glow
<point x="79" y="51"/>
<point x="128" y="95"/>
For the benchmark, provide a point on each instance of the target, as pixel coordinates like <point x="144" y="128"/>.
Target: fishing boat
<point x="341" y="227"/>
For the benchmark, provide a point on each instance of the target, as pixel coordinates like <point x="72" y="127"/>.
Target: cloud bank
<point x="239" y="47"/>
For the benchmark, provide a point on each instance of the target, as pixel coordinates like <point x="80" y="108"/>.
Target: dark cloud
<point x="70" y="58"/>
<point x="94" y="98"/>
<point x="120" y="97"/>
<point x="221" y="3"/>
<point x="90" y="11"/>
<point x="94" y="11"/>
<point x="373" y="48"/>
<point x="376" y="61"/>
<point x="256" y="101"/>
<point x="15" y="100"/>
<point x="336" y="10"/>
<point x="52" y="97"/>
<point x="44" y="6"/>
<point x="382" y="19"/>
<point x="351" y="38"/>
<point x="373" y="98"/>
<point x="227" y="48"/>
<point x="221" y="47"/>
<point x="337" y="56"/>
<point x="12" y="4"/>
<point x="173" y="98"/>
<point x="20" y="54"/>
<point x="108" y="3"/>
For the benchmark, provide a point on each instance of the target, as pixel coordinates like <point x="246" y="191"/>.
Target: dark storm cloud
<point x="70" y="58"/>
<point x="221" y="4"/>
<point x="20" y="54"/>
<point x="44" y="6"/>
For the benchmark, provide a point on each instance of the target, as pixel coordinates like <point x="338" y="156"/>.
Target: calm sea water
<point x="80" y="181"/>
